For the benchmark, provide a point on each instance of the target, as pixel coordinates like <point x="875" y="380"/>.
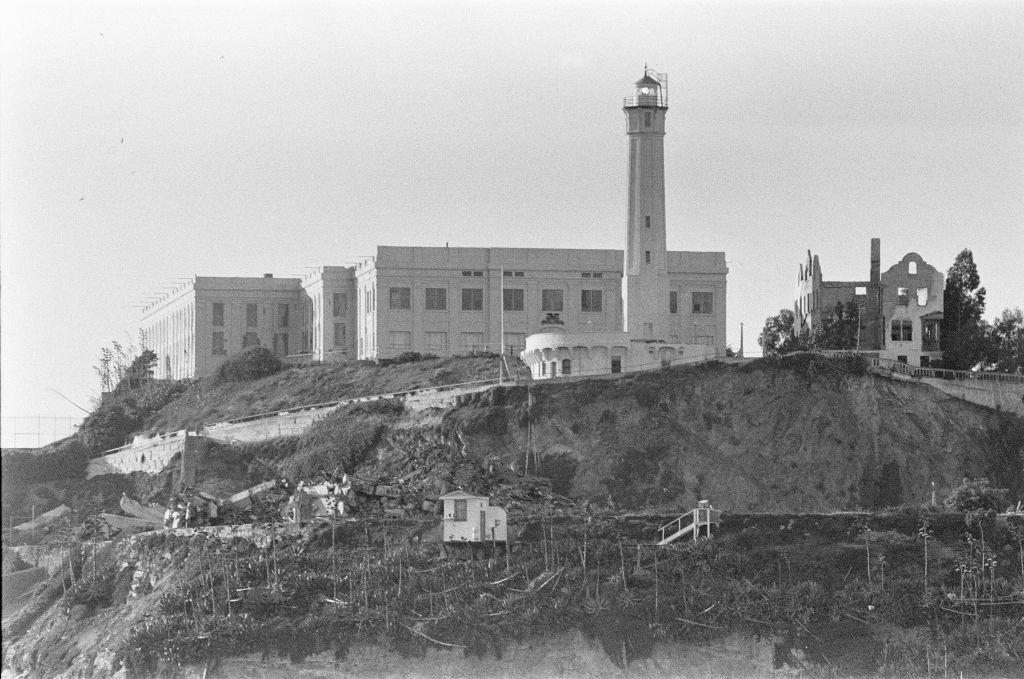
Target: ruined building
<point x="901" y="309"/>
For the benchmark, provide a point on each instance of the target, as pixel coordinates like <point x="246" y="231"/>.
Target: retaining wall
<point x="153" y="455"/>
<point x="143" y="455"/>
<point x="1008" y="396"/>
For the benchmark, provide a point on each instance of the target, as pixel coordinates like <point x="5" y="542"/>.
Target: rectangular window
<point x="477" y="274"/>
<point x="705" y="334"/>
<point x="399" y="298"/>
<point x="673" y="302"/>
<point x="647" y="118"/>
<point x="472" y="299"/>
<point x="339" y="334"/>
<point x="250" y="315"/>
<point x="437" y="342"/>
<point x="616" y="364"/>
<point x="586" y="274"/>
<point x="860" y="290"/>
<point x="400" y="340"/>
<point x="902" y="330"/>
<point x="218" y="313"/>
<point x="703" y="302"/>
<point x="647" y="221"/>
<point x="551" y="300"/>
<point x="902" y="296"/>
<point x="922" y="296"/>
<point x="250" y="339"/>
<point x="590" y="300"/>
<point x="520" y="274"/>
<point x="340" y="304"/>
<point x="436" y="299"/>
<point x="281" y="344"/>
<point x="473" y="341"/>
<point x="512" y="299"/>
<point x="647" y="256"/>
<point x="282" y="315"/>
<point x="460" y="510"/>
<point x="218" y="344"/>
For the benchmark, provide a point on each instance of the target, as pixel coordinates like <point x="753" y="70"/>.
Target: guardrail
<point x="943" y="373"/>
<point x="358" y="399"/>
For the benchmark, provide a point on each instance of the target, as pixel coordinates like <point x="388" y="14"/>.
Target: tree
<point x="138" y="372"/>
<point x="839" y="329"/>
<point x="779" y="337"/>
<point x="963" y="340"/>
<point x="1006" y="341"/>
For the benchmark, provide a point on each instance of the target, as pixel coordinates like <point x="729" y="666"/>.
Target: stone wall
<point x="143" y="455"/>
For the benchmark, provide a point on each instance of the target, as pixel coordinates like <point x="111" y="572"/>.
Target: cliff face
<point x="802" y="435"/>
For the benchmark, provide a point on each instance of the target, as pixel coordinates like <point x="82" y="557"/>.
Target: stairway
<point x="702" y="516"/>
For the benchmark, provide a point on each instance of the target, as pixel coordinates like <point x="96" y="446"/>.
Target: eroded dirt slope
<point x="802" y="435"/>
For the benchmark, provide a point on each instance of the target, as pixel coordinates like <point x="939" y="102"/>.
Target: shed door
<point x="483" y="524"/>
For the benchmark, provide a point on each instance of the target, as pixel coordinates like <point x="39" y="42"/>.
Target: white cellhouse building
<point x="575" y="311"/>
<point x="673" y="302"/>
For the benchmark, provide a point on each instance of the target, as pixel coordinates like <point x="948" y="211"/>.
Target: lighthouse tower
<point x="645" y="274"/>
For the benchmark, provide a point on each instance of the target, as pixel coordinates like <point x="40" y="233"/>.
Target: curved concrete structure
<point x="559" y="354"/>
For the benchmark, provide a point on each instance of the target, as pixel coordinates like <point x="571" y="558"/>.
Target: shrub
<point x="249" y="364"/>
<point x="108" y="427"/>
<point x="974" y="494"/>
<point x="405" y="357"/>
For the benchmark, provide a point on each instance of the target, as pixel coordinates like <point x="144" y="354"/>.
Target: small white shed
<point x="470" y="518"/>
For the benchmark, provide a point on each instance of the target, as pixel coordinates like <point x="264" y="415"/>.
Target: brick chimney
<point x="876" y="260"/>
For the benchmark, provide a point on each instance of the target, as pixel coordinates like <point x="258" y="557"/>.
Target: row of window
<point x="249" y="339"/>
<point x="514" y="299"/>
<point x="437" y="342"/>
<point x="902" y="330"/>
<point x="903" y="296"/>
<point x="251" y="315"/>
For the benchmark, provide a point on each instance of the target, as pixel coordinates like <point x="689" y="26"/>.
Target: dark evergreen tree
<point x="964" y="340"/>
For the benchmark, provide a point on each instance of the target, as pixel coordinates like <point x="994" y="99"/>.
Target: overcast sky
<point x="146" y="142"/>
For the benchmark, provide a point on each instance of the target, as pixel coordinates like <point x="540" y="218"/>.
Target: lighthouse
<point x="673" y="303"/>
<point x="645" y="283"/>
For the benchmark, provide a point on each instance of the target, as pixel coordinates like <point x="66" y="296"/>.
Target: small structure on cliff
<point x="470" y="518"/>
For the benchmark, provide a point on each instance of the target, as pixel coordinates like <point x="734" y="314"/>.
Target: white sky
<point x="143" y="142"/>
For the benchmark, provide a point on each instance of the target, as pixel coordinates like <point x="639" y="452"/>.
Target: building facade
<point x="640" y="307"/>
<point x="194" y="328"/>
<point x="901" y="308"/>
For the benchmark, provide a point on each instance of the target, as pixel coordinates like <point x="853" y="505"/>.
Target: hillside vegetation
<point x="588" y="471"/>
<point x="209" y="400"/>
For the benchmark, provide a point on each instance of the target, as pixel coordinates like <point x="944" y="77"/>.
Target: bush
<point x="973" y="494"/>
<point x="250" y="364"/>
<point x="109" y="426"/>
<point x="65" y="459"/>
<point x="405" y="357"/>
